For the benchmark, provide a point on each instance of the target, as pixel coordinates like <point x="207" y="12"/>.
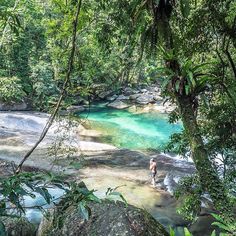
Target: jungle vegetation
<point x="189" y="46"/>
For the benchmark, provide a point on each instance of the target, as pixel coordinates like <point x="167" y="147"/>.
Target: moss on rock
<point x="107" y="218"/>
<point x="18" y="226"/>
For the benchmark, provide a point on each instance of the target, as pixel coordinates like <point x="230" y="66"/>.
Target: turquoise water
<point x="128" y="130"/>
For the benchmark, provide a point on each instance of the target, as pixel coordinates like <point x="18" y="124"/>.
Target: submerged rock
<point x="107" y="218"/>
<point x="18" y="226"/>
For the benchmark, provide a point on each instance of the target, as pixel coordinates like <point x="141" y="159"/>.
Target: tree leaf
<point x="84" y="210"/>
<point x="186" y="232"/>
<point x="221" y="226"/>
<point x="172" y="232"/>
<point x="213" y="233"/>
<point x="185" y="7"/>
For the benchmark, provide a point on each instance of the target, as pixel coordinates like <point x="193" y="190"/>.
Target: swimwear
<point x="154" y="174"/>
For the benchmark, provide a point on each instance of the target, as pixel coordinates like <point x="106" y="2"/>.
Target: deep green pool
<point x="128" y="130"/>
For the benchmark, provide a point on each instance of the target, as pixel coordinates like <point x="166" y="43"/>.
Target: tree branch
<point x="63" y="91"/>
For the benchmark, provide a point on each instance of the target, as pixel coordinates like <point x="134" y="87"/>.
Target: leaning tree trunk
<point x="208" y="176"/>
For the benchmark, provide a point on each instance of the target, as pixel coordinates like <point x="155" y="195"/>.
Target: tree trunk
<point x="208" y="176"/>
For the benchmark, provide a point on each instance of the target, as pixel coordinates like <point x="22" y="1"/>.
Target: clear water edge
<point x="124" y="129"/>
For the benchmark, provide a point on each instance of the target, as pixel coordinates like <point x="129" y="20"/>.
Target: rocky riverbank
<point x="141" y="99"/>
<point x="99" y="165"/>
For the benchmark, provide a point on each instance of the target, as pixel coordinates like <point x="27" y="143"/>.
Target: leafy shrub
<point x="11" y="89"/>
<point x="226" y="226"/>
<point x="190" y="191"/>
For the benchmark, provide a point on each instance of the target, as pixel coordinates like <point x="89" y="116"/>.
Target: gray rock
<point x="112" y="98"/>
<point x="21" y="106"/>
<point x="104" y="94"/>
<point x="172" y="178"/>
<point x="18" y="226"/>
<point x="107" y="218"/>
<point x="144" y="90"/>
<point x="203" y="225"/>
<point x="122" y="97"/>
<point x="118" y="104"/>
<point x="157" y="98"/>
<point x="134" y="96"/>
<point x="128" y="91"/>
<point x="145" y="99"/>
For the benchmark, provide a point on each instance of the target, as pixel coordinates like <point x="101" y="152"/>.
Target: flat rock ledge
<point x="107" y="218"/>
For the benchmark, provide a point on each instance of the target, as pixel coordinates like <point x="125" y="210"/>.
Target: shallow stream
<point x="131" y="131"/>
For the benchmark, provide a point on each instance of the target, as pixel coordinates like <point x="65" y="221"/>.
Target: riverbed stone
<point x="122" y="97"/>
<point x="107" y="218"/>
<point x="134" y="96"/>
<point x="145" y="99"/>
<point x="129" y="91"/>
<point x="144" y="90"/>
<point x="118" y="104"/>
<point x="158" y="98"/>
<point x="112" y="98"/>
<point x="18" y="226"/>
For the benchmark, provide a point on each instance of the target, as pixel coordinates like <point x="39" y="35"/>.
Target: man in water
<point x="153" y="168"/>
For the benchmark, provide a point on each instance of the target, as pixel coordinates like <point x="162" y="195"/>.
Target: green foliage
<point x="11" y="89"/>
<point x="113" y="195"/>
<point x="189" y="191"/>
<point x="226" y="226"/>
<point x="43" y="86"/>
<point x="13" y="189"/>
<point x="179" y="144"/>
<point x="76" y="196"/>
<point x="186" y="232"/>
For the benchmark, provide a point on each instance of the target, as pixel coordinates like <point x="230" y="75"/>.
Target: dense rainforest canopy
<point x="188" y="46"/>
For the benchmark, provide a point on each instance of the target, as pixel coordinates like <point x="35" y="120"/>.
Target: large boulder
<point x="128" y="91"/>
<point x="134" y="96"/>
<point x="18" y="226"/>
<point x="112" y="98"/>
<point x="145" y="99"/>
<point x="118" y="104"/>
<point x="107" y="218"/>
<point x="122" y="97"/>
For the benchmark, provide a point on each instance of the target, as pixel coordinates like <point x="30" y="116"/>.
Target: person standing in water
<point x="153" y="168"/>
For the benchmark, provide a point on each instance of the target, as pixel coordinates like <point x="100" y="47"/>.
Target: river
<point x="138" y="137"/>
